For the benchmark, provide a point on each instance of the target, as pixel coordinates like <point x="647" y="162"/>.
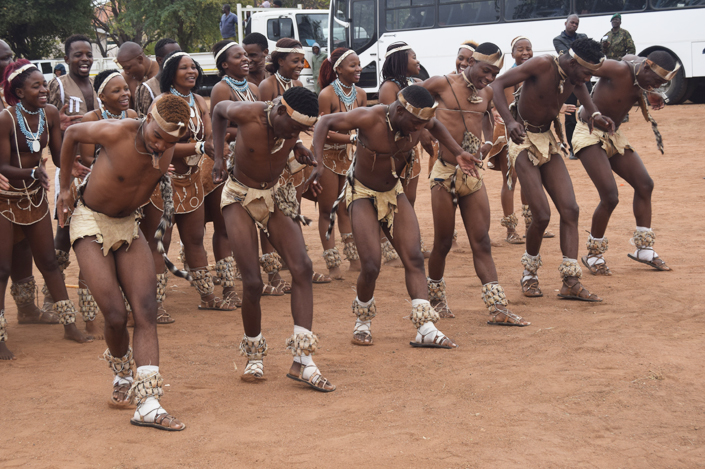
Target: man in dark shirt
<point x="562" y="44"/>
<point x="228" y="23"/>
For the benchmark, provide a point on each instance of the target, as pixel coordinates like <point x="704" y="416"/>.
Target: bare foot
<point x="71" y="332"/>
<point x="335" y="273"/>
<point x="5" y="353"/>
<point x="92" y="329"/>
<point x="355" y="266"/>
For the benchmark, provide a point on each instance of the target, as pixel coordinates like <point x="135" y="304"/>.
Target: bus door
<point x="363" y="32"/>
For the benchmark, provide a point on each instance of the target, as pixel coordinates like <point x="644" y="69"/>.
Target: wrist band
<point x="488" y="143"/>
<point x="596" y="114"/>
<point x="353" y="138"/>
<point x="300" y="141"/>
<point x="32" y="173"/>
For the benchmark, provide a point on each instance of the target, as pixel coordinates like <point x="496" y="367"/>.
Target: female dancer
<point x="28" y="125"/>
<point x="337" y="79"/>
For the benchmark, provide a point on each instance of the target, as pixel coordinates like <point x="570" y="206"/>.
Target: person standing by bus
<point x="562" y="44"/>
<point x="316" y="61"/>
<point x="617" y="42"/>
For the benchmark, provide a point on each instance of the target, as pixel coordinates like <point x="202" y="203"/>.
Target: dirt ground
<point x="616" y="384"/>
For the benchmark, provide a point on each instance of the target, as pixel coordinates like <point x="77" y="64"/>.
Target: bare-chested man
<point x="465" y="99"/>
<point x="253" y="200"/>
<point x="148" y="90"/>
<point x="112" y="251"/>
<point x="137" y="68"/>
<point x="622" y="84"/>
<point x="375" y="198"/>
<point x="534" y="152"/>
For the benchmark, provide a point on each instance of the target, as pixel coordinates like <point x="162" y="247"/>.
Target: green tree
<point x="122" y="21"/>
<point x="194" y="24"/>
<point x="35" y="28"/>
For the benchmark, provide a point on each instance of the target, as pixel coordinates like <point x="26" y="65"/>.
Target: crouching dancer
<point x="375" y="197"/>
<point x="622" y="84"/>
<point x="253" y="200"/>
<point x="112" y="251"/>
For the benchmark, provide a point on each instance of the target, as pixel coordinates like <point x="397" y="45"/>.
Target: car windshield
<point x="313" y="28"/>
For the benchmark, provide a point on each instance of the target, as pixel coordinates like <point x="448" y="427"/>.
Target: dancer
<point x="28" y="126"/>
<point x="147" y="91"/>
<point x="338" y="77"/>
<point x="137" y="68"/>
<point x="254" y="199"/>
<point x="180" y="76"/>
<point x="257" y="48"/>
<point x="464" y="102"/>
<point x="533" y="151"/>
<point x="112" y="250"/>
<point x="387" y="136"/>
<point x="621" y="85"/>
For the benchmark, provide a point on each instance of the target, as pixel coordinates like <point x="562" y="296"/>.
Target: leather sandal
<point x="576" y="291"/>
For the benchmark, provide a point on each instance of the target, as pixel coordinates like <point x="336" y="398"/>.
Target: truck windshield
<point x="313" y="28"/>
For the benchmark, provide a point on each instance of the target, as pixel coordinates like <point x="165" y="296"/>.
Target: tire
<point x="698" y="96"/>
<point x="678" y="88"/>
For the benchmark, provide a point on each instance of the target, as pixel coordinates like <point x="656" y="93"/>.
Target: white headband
<point x="176" y="54"/>
<point x="227" y="46"/>
<point x="465" y="46"/>
<point x="107" y="79"/>
<point x="342" y="57"/>
<point x="287" y="50"/>
<point x="19" y="71"/>
<point x="517" y="39"/>
<point x="397" y="49"/>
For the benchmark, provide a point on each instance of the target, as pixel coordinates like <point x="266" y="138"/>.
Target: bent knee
<point x="301" y="268"/>
<point x="115" y="318"/>
<point x="369" y="271"/>
<point x="252" y="286"/>
<point x="610" y="200"/>
<point x="442" y="246"/>
<point x="645" y="188"/>
<point x="570" y="213"/>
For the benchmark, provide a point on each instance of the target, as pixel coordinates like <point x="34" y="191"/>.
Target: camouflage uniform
<point x="620" y="44"/>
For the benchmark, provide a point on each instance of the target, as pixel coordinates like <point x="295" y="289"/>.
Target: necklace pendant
<point x="193" y="113"/>
<point x="36" y="146"/>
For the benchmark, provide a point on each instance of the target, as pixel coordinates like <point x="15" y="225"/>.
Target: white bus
<point x="434" y="28"/>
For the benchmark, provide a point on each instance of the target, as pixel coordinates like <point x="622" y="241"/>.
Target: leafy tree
<point x="124" y="20"/>
<point x="194" y="24"/>
<point x="35" y="28"/>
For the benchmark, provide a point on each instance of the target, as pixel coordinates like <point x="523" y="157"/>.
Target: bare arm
<point x="267" y="90"/>
<point x="603" y="122"/>
<point x="388" y="92"/>
<point x="220" y="93"/>
<point x="466" y="161"/>
<point x="223" y="113"/>
<point x="54" y="125"/>
<point x="87" y="150"/>
<point x="6" y="167"/>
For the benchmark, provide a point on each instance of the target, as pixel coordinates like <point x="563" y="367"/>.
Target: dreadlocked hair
<point x="418" y="96"/>
<point x="302" y="100"/>
<point x="217" y="47"/>
<point x="284" y="42"/>
<point x="588" y="50"/>
<point x="17" y="82"/>
<point x="396" y="65"/>
<point x="170" y="69"/>
<point x="75" y="38"/>
<point x="663" y="59"/>
<point x="256" y="38"/>
<point x="100" y="78"/>
<point x="161" y="44"/>
<point x="327" y="75"/>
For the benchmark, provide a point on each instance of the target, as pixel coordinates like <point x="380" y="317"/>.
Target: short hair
<point x="226" y="5"/>
<point x="100" y="78"/>
<point x="217" y="47"/>
<point x="284" y="42"/>
<point x="173" y="109"/>
<point x="327" y="74"/>
<point x="588" y="50"/>
<point x="9" y="87"/>
<point x="60" y="67"/>
<point x="487" y="48"/>
<point x="170" y="67"/>
<point x="159" y="47"/>
<point x="396" y="65"/>
<point x="75" y="38"/>
<point x="572" y="15"/>
<point x="663" y="59"/>
<point x="302" y="100"/>
<point x="418" y="96"/>
<point x="256" y="38"/>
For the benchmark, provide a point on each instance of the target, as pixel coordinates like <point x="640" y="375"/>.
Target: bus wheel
<point x="680" y="88"/>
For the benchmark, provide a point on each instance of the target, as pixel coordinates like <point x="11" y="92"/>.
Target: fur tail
<point x="165" y="223"/>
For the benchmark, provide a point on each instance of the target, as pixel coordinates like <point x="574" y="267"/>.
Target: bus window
<point x="313" y="28"/>
<point x="452" y="13"/>
<point x="527" y="9"/>
<point x="667" y="4"/>
<point x="340" y="33"/>
<point x="363" y="22"/>
<point x="588" y="7"/>
<point x="279" y="28"/>
<point x="410" y="14"/>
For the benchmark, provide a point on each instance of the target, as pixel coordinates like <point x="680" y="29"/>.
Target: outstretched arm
<point x="466" y="160"/>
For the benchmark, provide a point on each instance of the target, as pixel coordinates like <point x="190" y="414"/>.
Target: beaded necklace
<point x="348" y="100"/>
<point x="32" y="139"/>
<point x="194" y="128"/>
<point x="109" y="115"/>
<point x="285" y="82"/>
<point x="191" y="103"/>
<point x="241" y="88"/>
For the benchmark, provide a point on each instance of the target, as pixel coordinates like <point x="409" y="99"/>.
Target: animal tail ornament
<point x="165" y="223"/>
<point x="654" y="126"/>
<point x="333" y="212"/>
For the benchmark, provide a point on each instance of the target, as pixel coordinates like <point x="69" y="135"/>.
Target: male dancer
<point x="253" y="200"/>
<point x="257" y="49"/>
<point x="622" y="84"/>
<point x="375" y="198"/>
<point x="136" y="67"/>
<point x="148" y="90"/>
<point x="111" y="249"/>
<point x="533" y="151"/>
<point x="466" y="99"/>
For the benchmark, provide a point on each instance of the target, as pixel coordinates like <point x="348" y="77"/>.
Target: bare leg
<point x="24" y="288"/>
<point x="221" y="247"/>
<point x="364" y="227"/>
<point x="407" y="241"/>
<point x="599" y="170"/>
<point x="630" y="167"/>
<point x="509" y="220"/>
<point x="330" y="182"/>
<point x="6" y="241"/>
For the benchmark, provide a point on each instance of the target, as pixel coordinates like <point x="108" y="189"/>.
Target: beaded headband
<point x="287" y="50"/>
<point x="662" y="72"/>
<point x="341" y="58"/>
<point x="517" y="39"/>
<point x="174" y="129"/>
<point x="297" y="116"/>
<point x="425" y="113"/>
<point x="496" y="59"/>
<point x="19" y="71"/>
<point x="176" y="54"/>
<point x="395" y="50"/>
<point x="107" y="79"/>
<point x="584" y="63"/>
<point x="227" y="46"/>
